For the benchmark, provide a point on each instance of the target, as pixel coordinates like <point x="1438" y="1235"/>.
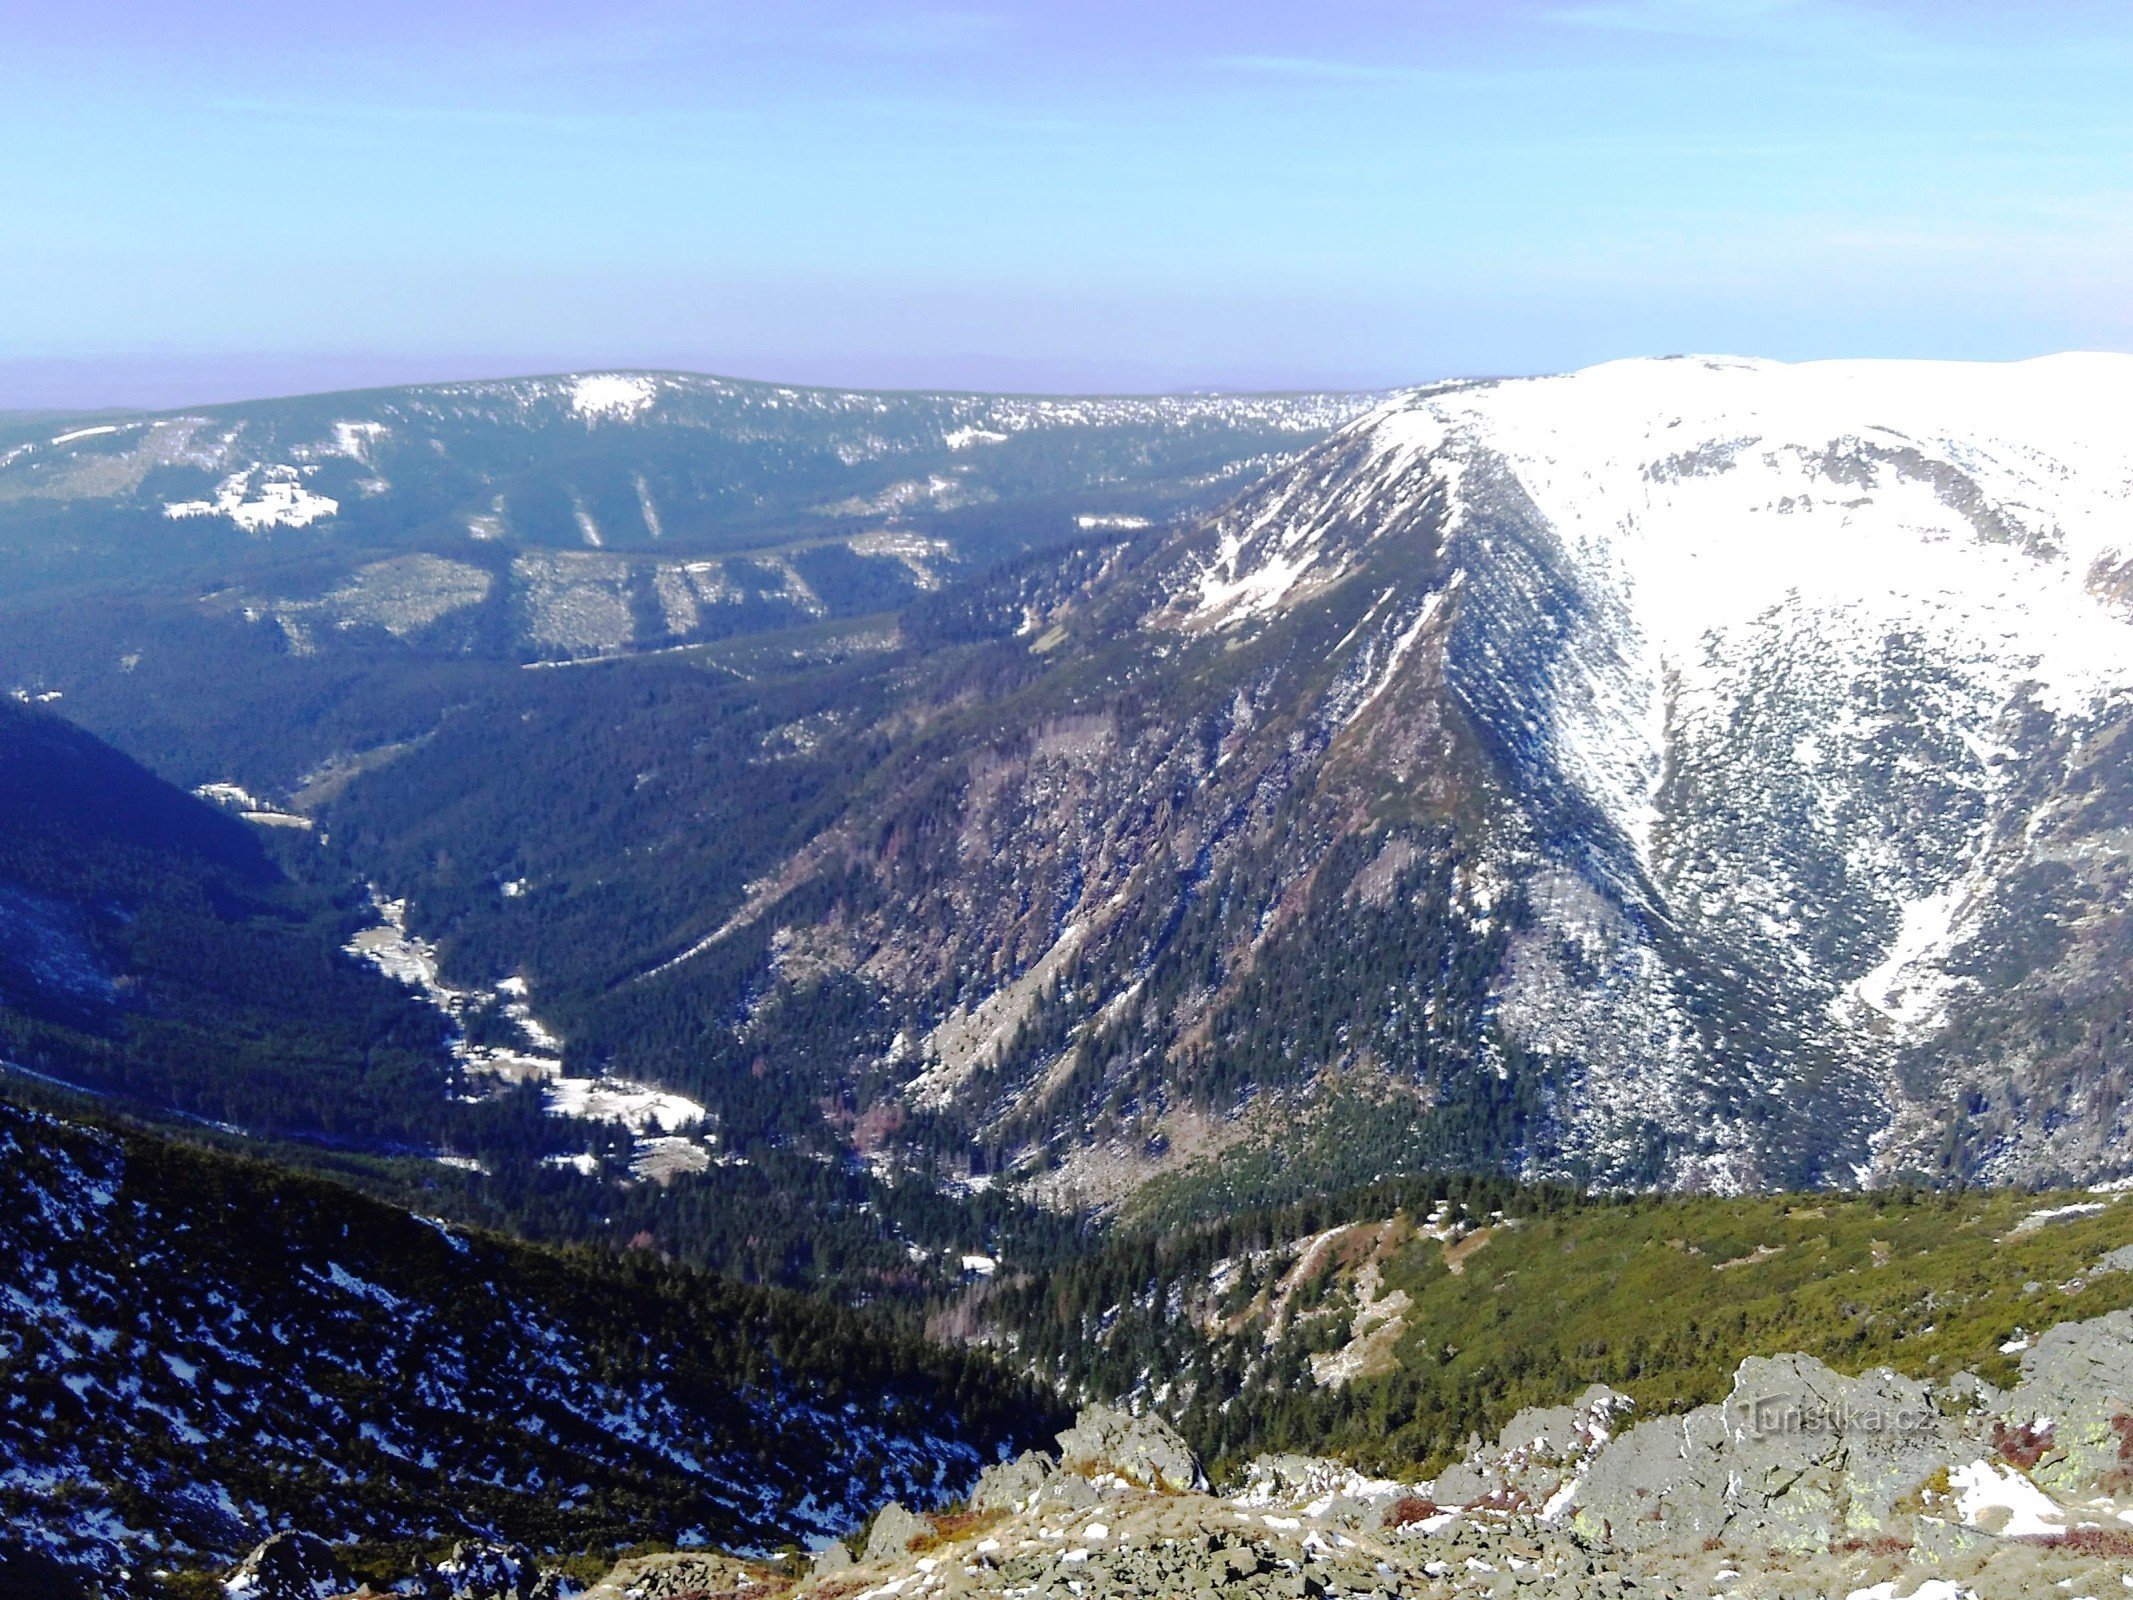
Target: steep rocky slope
<point x="196" y="1349"/>
<point x="1692" y="772"/>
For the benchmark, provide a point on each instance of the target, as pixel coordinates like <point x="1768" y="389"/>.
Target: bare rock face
<point x="289" y="1566"/>
<point x="893" y="1531"/>
<point x="1795" y="1456"/>
<point x="1541" y="1453"/>
<point x="1009" y="1485"/>
<point x="1143" y="1450"/>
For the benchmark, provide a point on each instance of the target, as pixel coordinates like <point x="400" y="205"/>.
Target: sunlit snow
<point x="259" y="498"/>
<point x="615" y="395"/>
<point x="644" y="1109"/>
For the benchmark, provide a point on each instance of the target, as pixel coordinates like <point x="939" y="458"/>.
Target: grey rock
<point x="1008" y="1485"/>
<point x="1539" y="1450"/>
<point x="1796" y="1455"/>
<point x="1145" y="1450"/>
<point x="2080" y="1375"/>
<point x="1294" y="1478"/>
<point x="289" y="1566"/>
<point x="2119" y="1260"/>
<point x="669" y="1577"/>
<point x="1067" y="1491"/>
<point x="481" y="1571"/>
<point x="836" y="1556"/>
<point x="894" y="1529"/>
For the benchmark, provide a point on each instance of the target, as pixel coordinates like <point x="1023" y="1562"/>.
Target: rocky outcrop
<point x="836" y="1556"/>
<point x="1143" y="1450"/>
<point x="894" y="1531"/>
<point x="477" y="1571"/>
<point x="1010" y="1485"/>
<point x="1104" y="1443"/>
<point x="1797" y="1455"/>
<point x="289" y="1566"/>
<point x="2074" y="1405"/>
<point x="686" y="1575"/>
<point x="1139" y="1544"/>
<point x="1538" y="1459"/>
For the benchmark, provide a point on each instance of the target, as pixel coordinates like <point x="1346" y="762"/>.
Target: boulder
<point x="2119" y="1260"/>
<point x="481" y="1571"/>
<point x="836" y="1556"/>
<point x="1068" y="1491"/>
<point x="1796" y="1456"/>
<point x="1145" y="1450"/>
<point x="1321" y="1487"/>
<point x="1008" y="1485"/>
<point x="684" y="1575"/>
<point x="1542" y="1452"/>
<point x="289" y="1566"/>
<point x="893" y="1531"/>
<point x="2079" y="1375"/>
<point x="1286" y="1479"/>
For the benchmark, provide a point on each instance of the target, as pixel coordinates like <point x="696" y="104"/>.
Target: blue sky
<point x="209" y="199"/>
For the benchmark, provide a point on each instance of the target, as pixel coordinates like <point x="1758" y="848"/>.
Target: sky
<point x="220" y="199"/>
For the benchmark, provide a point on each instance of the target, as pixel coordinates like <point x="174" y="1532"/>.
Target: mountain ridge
<point x="1483" y="628"/>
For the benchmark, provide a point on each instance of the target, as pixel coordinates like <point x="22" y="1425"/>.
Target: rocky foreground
<point x="1802" y="1483"/>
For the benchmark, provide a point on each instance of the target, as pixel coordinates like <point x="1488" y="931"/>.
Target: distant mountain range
<point x="1691" y="773"/>
<point x="560" y="517"/>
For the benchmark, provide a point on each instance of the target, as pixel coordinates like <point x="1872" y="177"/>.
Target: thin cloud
<point x="1324" y="70"/>
<point x="1704" y="19"/>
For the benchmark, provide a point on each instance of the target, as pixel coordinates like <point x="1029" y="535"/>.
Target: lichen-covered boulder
<point x="894" y="1529"/>
<point x="1008" y="1485"/>
<point x="1145" y="1450"/>
<point x="1797" y="1455"/>
<point x="2077" y="1394"/>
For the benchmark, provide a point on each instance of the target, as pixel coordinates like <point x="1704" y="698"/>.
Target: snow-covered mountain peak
<point x="1802" y="674"/>
<point x="1698" y="505"/>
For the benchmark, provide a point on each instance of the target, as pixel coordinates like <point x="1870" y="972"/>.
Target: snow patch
<point x="2002" y="1501"/>
<point x="615" y="396"/>
<point x="259" y="498"/>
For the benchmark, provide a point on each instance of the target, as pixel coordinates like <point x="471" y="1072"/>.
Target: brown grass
<point x="949" y="1526"/>
<point x="2021" y="1447"/>
<point x="2111" y="1543"/>
<point x="1410" y="1508"/>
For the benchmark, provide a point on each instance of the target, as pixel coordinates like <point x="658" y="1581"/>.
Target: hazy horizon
<point x="236" y="200"/>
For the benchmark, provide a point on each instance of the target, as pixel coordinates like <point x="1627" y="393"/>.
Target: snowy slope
<point x="1798" y="671"/>
<point x="199" y="1350"/>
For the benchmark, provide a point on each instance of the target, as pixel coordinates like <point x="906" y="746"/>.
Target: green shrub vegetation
<point x="1658" y="1297"/>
